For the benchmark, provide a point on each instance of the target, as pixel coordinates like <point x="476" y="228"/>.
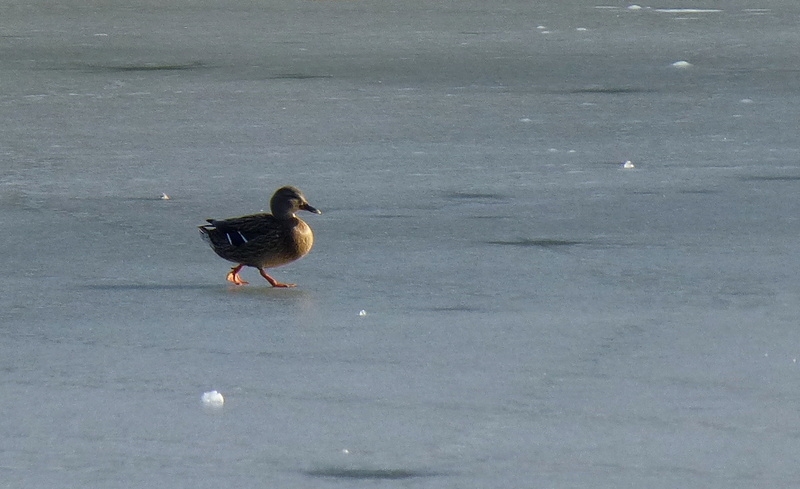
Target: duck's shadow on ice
<point x="146" y="287"/>
<point x="249" y="290"/>
<point x="351" y="473"/>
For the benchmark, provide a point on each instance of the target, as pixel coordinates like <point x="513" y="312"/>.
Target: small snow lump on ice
<point x="212" y="399"/>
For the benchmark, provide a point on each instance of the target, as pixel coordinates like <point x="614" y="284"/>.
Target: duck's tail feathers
<point x="204" y="234"/>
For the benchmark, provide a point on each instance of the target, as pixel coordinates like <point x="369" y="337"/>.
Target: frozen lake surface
<point x="534" y="314"/>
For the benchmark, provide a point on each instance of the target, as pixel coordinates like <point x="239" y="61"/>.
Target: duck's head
<point x="288" y="200"/>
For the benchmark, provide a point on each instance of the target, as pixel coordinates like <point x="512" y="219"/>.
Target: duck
<point x="263" y="240"/>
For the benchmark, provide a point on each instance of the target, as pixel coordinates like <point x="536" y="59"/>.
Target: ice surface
<point x="688" y="10"/>
<point x="537" y="317"/>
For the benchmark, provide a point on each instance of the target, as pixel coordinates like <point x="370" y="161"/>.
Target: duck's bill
<point x="309" y="208"/>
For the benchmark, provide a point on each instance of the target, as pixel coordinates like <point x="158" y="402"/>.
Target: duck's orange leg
<point x="233" y="276"/>
<point x="272" y="281"/>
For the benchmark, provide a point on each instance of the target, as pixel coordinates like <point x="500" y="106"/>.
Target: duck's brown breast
<point x="303" y="238"/>
<point x="294" y="242"/>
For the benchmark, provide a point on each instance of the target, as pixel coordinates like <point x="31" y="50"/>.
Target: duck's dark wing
<point x="237" y="232"/>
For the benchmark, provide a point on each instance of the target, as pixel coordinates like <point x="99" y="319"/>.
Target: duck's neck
<point x="281" y="212"/>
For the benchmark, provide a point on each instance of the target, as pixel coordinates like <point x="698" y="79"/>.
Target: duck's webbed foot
<point x="272" y="281"/>
<point x="233" y="276"/>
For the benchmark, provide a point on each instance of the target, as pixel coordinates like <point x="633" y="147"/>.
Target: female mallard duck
<point x="263" y="240"/>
